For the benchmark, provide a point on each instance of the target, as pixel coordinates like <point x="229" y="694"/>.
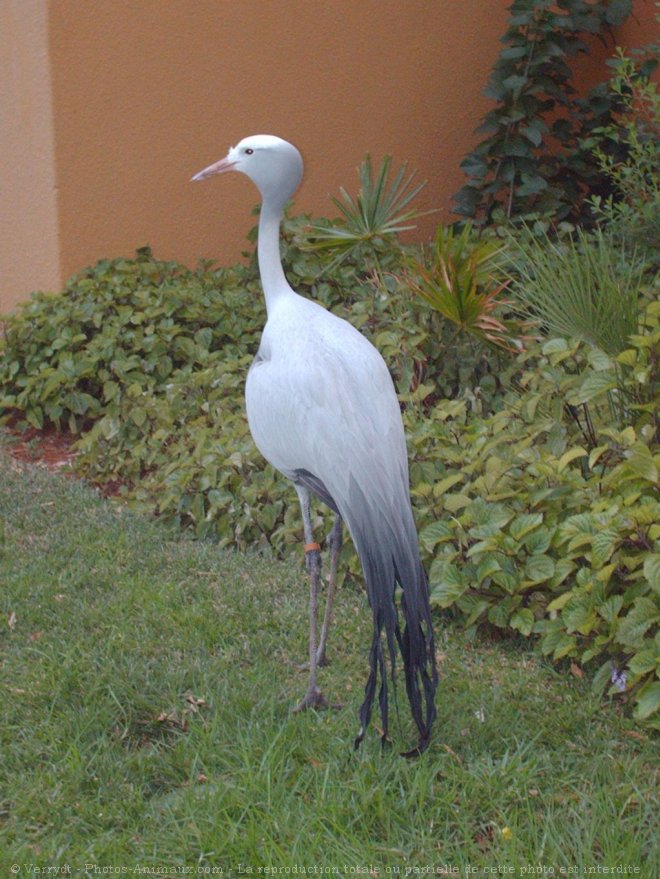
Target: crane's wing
<point x="320" y="398"/>
<point x="322" y="408"/>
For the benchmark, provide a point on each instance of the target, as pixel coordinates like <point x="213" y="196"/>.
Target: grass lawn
<point x="145" y="723"/>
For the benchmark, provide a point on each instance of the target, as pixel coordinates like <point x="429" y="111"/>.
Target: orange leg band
<point x="311" y="547"/>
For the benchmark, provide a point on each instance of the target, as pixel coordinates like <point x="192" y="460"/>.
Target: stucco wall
<point x="29" y="251"/>
<point x="146" y="92"/>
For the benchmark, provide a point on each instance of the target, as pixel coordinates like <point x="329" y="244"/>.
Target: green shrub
<point x="549" y="524"/>
<point x="123" y="329"/>
<point x="632" y="209"/>
<point x="117" y="330"/>
<point x="186" y="454"/>
<point x="547" y="152"/>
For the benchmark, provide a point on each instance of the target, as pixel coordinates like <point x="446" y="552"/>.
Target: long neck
<point x="273" y="280"/>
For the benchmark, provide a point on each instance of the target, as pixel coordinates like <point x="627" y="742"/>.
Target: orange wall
<point x="29" y="245"/>
<point x="146" y="92"/>
<point x="641" y="27"/>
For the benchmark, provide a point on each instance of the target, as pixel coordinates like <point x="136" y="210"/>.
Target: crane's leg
<point x="313" y="698"/>
<point x="335" y="543"/>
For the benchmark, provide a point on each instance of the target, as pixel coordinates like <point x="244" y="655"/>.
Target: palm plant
<point x="370" y="222"/>
<point x="583" y="286"/>
<point x="463" y="281"/>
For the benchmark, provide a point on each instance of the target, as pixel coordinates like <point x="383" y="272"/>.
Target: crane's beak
<point x="217" y="168"/>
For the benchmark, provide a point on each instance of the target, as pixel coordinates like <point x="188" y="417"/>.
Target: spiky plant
<point x="463" y="281"/>
<point x="371" y="222"/>
<point x="581" y="286"/>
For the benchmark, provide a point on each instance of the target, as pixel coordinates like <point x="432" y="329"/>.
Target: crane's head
<point x="274" y="165"/>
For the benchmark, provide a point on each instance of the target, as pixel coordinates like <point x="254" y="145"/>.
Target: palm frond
<point x="379" y="212"/>
<point x="463" y="283"/>
<point x="584" y="286"/>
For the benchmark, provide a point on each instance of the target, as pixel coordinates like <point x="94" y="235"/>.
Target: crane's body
<point x="322" y="409"/>
<point x="306" y="412"/>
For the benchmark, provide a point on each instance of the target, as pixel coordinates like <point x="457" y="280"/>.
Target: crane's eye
<point x="249" y="151"/>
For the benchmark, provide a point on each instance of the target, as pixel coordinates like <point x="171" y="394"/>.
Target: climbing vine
<point x="537" y="158"/>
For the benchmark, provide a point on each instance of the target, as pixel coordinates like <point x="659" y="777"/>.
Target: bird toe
<point x="311" y="699"/>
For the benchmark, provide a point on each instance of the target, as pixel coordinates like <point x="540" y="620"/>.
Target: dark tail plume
<point x="386" y="541"/>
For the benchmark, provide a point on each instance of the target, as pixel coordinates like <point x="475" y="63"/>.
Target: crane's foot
<point x="313" y="698"/>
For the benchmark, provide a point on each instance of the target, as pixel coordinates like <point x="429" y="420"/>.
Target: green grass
<point x="111" y="632"/>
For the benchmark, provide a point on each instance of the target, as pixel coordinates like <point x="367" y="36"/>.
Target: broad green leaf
<point x="507" y="579"/>
<point x="538" y="541"/>
<point x="578" y="614"/>
<point x="197" y="510"/>
<point x="487" y="568"/>
<point x="602" y="678"/>
<point x="522" y="525"/>
<point x="559" y="643"/>
<point x="579" y="541"/>
<point x="581" y="523"/>
<point x="108" y="427"/>
<point x="603" y="544"/>
<point x="633" y="627"/>
<point x="456" y="502"/>
<point x="644" y="662"/>
<point x="110" y="390"/>
<point x="552" y="346"/>
<point x="652" y="570"/>
<point x="81" y="403"/>
<point x="560" y="601"/>
<point x="35" y="416"/>
<point x="563" y="568"/>
<point x="539" y="568"/>
<point x="204" y="337"/>
<point x="611" y="608"/>
<point x="138" y="415"/>
<point x="523" y="621"/>
<point x="487" y="546"/>
<point x="569" y="456"/>
<point x="640" y="461"/>
<point x="604" y="574"/>
<point x="450" y="586"/>
<point x="648" y="701"/>
<point x="448" y="482"/>
<point x="529" y="406"/>
<point x="628" y="357"/>
<point x="566" y="646"/>
<point x="434" y="533"/>
<point x="495" y="520"/>
<point x="646" y="513"/>
<point x="599" y="360"/>
<point x="474" y="607"/>
<point x="56" y="380"/>
<point x="595" y="454"/>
